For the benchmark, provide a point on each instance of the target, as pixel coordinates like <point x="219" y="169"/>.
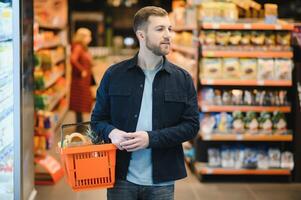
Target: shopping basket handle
<point x="74" y="124"/>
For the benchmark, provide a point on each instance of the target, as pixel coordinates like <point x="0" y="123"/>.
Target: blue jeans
<point x="125" y="190"/>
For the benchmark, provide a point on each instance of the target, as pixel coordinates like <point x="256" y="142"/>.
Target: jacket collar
<point x="134" y="63"/>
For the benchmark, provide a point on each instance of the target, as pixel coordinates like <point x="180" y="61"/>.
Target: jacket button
<point x="136" y="116"/>
<point x="141" y="85"/>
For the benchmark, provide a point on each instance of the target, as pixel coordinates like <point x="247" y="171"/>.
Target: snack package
<point x="283" y="69"/>
<point x="231" y="68"/>
<point x="279" y="121"/>
<point x="274" y="158"/>
<point x="251" y="122"/>
<point x="217" y="97"/>
<point x="245" y="38"/>
<point x="75" y="139"/>
<point x="208" y="37"/>
<point x="228" y="157"/>
<point x="211" y="68"/>
<point x="208" y="96"/>
<point x="238" y="121"/>
<point x="250" y="159"/>
<point x="248" y="69"/>
<point x="226" y="97"/>
<point x="270" y="38"/>
<point x="257" y="37"/>
<point x="249" y="98"/>
<point x="235" y="38"/>
<point x="237" y="97"/>
<point x="207" y="124"/>
<point x="265" y="69"/>
<point x="223" y="121"/>
<point x="239" y="158"/>
<point x="262" y="159"/>
<point x="283" y="38"/>
<point x="287" y="160"/>
<point x="265" y="122"/>
<point x="223" y="37"/>
<point x="214" y="157"/>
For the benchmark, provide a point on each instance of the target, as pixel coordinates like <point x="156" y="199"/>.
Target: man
<point x="147" y="107"/>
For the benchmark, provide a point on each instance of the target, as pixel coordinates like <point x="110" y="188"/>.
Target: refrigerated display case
<point x="16" y="100"/>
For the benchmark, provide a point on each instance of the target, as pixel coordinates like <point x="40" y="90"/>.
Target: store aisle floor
<point x="186" y="189"/>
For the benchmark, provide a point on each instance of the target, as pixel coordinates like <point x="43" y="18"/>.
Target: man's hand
<point x="117" y="137"/>
<point x="135" y="141"/>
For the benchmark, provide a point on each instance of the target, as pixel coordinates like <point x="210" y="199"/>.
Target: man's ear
<point x="140" y="34"/>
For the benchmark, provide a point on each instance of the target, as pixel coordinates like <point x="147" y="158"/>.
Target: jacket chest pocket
<point x="174" y="105"/>
<point x="119" y="100"/>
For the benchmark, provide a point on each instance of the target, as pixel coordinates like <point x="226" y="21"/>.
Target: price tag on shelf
<point x="260" y="82"/>
<point x="209" y="170"/>
<point x="204" y="108"/>
<point x="215" y="26"/>
<point x="239" y="137"/>
<point x="207" y="136"/>
<point x="247" y="26"/>
<point x="278" y="27"/>
<point x="209" y="81"/>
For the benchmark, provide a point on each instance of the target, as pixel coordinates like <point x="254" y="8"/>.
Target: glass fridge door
<point x="6" y="102"/>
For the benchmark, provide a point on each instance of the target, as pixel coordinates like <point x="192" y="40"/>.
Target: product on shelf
<point x="274" y="158"/>
<point x="265" y="69"/>
<point x="283" y="69"/>
<point x="279" y="122"/>
<point x="211" y="68"/>
<point x="235" y="38"/>
<point x="218" y="12"/>
<point x="265" y="122"/>
<point x="231" y="68"/>
<point x="287" y="160"/>
<point x="238" y="121"/>
<point x="283" y="38"/>
<point x="257" y="37"/>
<point x="245" y="38"/>
<point x="251" y="122"/>
<point x="270" y="38"/>
<point x="248" y="69"/>
<point x="237" y="97"/>
<point x="207" y="123"/>
<point x="208" y="37"/>
<point x="223" y="121"/>
<point x="243" y="157"/>
<point x="223" y="37"/>
<point x="270" y="13"/>
<point x="214" y="157"/>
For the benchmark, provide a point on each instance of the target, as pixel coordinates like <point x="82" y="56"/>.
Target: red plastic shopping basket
<point x="90" y="166"/>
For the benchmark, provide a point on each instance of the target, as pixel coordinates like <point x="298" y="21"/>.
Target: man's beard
<point x="155" y="49"/>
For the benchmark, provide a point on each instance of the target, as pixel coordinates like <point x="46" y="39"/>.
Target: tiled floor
<point x="187" y="189"/>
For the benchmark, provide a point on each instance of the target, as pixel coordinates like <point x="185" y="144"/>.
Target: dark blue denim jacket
<point x="175" y="114"/>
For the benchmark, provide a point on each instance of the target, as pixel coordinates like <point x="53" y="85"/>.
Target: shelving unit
<point x="275" y="138"/>
<point x="52" y="81"/>
<point x="203" y="169"/>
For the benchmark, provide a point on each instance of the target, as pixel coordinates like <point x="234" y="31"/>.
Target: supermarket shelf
<point x="50" y="28"/>
<point x="201" y="168"/>
<point x="55" y="77"/>
<point x="231" y="108"/>
<point x="59" y="59"/>
<point x="48" y="45"/>
<point x="184" y="28"/>
<point x="187" y="50"/>
<point x="278" y="83"/>
<point x="60" y="95"/>
<point x="60" y="116"/>
<point x="248" y="25"/>
<point x="248" y="54"/>
<point x="246" y="137"/>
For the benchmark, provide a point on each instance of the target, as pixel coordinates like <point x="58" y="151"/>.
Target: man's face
<point x="158" y="35"/>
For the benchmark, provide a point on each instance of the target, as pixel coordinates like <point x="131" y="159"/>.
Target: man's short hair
<point x="142" y="15"/>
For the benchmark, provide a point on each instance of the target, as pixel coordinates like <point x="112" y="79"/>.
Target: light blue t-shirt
<point x="140" y="168"/>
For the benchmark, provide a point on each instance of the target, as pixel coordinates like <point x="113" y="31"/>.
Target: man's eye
<point x="160" y="29"/>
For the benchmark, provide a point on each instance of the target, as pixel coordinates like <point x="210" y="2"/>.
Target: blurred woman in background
<point x="81" y="61"/>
